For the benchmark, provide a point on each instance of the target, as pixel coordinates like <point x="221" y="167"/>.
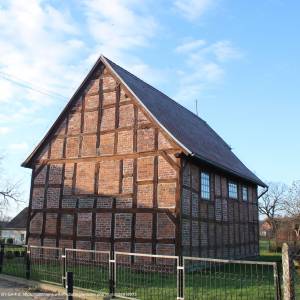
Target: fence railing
<point x="206" y="278"/>
<point x="144" y="276"/>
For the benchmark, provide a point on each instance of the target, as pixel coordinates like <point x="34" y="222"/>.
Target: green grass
<point x="230" y="281"/>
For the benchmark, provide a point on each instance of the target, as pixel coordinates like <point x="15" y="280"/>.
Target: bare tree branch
<point x="292" y="203"/>
<point x="9" y="191"/>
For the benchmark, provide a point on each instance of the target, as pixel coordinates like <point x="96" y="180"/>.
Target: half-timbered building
<point x="125" y="167"/>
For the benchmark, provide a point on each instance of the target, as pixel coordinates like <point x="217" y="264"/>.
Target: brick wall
<point x="219" y="226"/>
<point x="108" y="166"/>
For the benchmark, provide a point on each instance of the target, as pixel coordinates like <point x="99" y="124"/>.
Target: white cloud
<point x="193" y="9"/>
<point x="18" y="146"/>
<point x="118" y="25"/>
<point x="4" y="130"/>
<point x="189" y="46"/>
<point x="204" y="65"/>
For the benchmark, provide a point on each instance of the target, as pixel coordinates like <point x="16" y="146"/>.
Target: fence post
<point x="27" y="257"/>
<point x="63" y="261"/>
<point x="69" y="285"/>
<point x="180" y="278"/>
<point x="276" y="282"/>
<point x="287" y="273"/>
<point x="112" y="269"/>
<point x="1" y="257"/>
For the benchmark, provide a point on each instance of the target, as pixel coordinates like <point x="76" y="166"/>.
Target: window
<point x="232" y="190"/>
<point x="22" y="237"/>
<point x="245" y="193"/>
<point x="205" y="186"/>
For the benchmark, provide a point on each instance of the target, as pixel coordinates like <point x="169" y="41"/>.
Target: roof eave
<point x="228" y="170"/>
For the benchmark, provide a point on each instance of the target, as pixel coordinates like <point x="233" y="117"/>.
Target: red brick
<point x="163" y="142"/>
<point x="72" y="148"/>
<point x="74" y="123"/>
<point x="85" y="178"/>
<point x="36" y="223"/>
<point x="144" y="248"/>
<point x="145" y="168"/>
<point x="165" y="227"/>
<point x="91" y="101"/>
<point x="40" y="178"/>
<point x="92" y="88"/>
<point x="127" y="167"/>
<point x="67" y="223"/>
<point x="126" y="117"/>
<point x="51" y="219"/>
<point x="123" y="225"/>
<point x="108" y="119"/>
<point x="109" y="98"/>
<point x="84" y="224"/>
<point x="165" y="170"/>
<point x="88" y="145"/>
<point x="107" y="143"/>
<point x="123" y="96"/>
<point x="57" y="148"/>
<point x="166" y="194"/>
<point x="90" y="121"/>
<point x="143" y="225"/>
<point x="127" y="185"/>
<point x="37" y="198"/>
<point x="109" y="174"/>
<point x="68" y="180"/>
<point x="55" y="174"/>
<point x="142" y="119"/>
<point x="145" y="139"/>
<point x="123" y="202"/>
<point x="145" y="195"/>
<point x="53" y="195"/>
<point x="125" y="142"/>
<point x="103" y="224"/>
<point x="108" y="82"/>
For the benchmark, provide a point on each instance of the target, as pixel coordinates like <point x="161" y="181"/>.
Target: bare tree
<point x="272" y="204"/>
<point x="9" y="191"/>
<point x="292" y="203"/>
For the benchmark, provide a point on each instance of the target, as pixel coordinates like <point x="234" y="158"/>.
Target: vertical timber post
<point x="276" y="282"/>
<point x="1" y="257"/>
<point x="180" y="278"/>
<point x="112" y="274"/>
<point x="69" y="285"/>
<point x="63" y="261"/>
<point x="287" y="273"/>
<point x="28" y="262"/>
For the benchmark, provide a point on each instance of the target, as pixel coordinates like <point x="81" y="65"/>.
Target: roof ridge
<point x="175" y="102"/>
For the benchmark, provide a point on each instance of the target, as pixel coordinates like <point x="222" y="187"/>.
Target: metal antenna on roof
<point x="196" y="103"/>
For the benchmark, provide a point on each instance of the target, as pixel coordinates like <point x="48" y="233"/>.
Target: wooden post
<point x="27" y="257"/>
<point x="69" y="285"/>
<point x="1" y="257"/>
<point x="63" y="261"/>
<point x="287" y="273"/>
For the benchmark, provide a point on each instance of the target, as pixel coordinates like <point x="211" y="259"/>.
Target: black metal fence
<point x="144" y="276"/>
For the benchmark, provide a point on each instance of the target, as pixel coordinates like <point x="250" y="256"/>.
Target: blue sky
<point x="239" y="59"/>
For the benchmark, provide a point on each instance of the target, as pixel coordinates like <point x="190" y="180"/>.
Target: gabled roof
<point x="192" y="133"/>
<point x="19" y="221"/>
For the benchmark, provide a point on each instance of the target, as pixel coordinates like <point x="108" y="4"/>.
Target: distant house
<point x="265" y="229"/>
<point x="16" y="228"/>
<point x="287" y="229"/>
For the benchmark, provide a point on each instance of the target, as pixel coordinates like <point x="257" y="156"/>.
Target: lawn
<point x="214" y="281"/>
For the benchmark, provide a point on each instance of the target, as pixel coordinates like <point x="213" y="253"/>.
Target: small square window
<point x="232" y="190"/>
<point x="245" y="193"/>
<point x="205" y="186"/>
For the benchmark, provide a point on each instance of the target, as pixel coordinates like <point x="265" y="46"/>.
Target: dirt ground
<point x="16" y="291"/>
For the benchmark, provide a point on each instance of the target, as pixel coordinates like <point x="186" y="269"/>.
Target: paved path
<point x="15" y="291"/>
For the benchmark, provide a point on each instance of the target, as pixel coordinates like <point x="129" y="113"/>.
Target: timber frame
<point x="72" y="165"/>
